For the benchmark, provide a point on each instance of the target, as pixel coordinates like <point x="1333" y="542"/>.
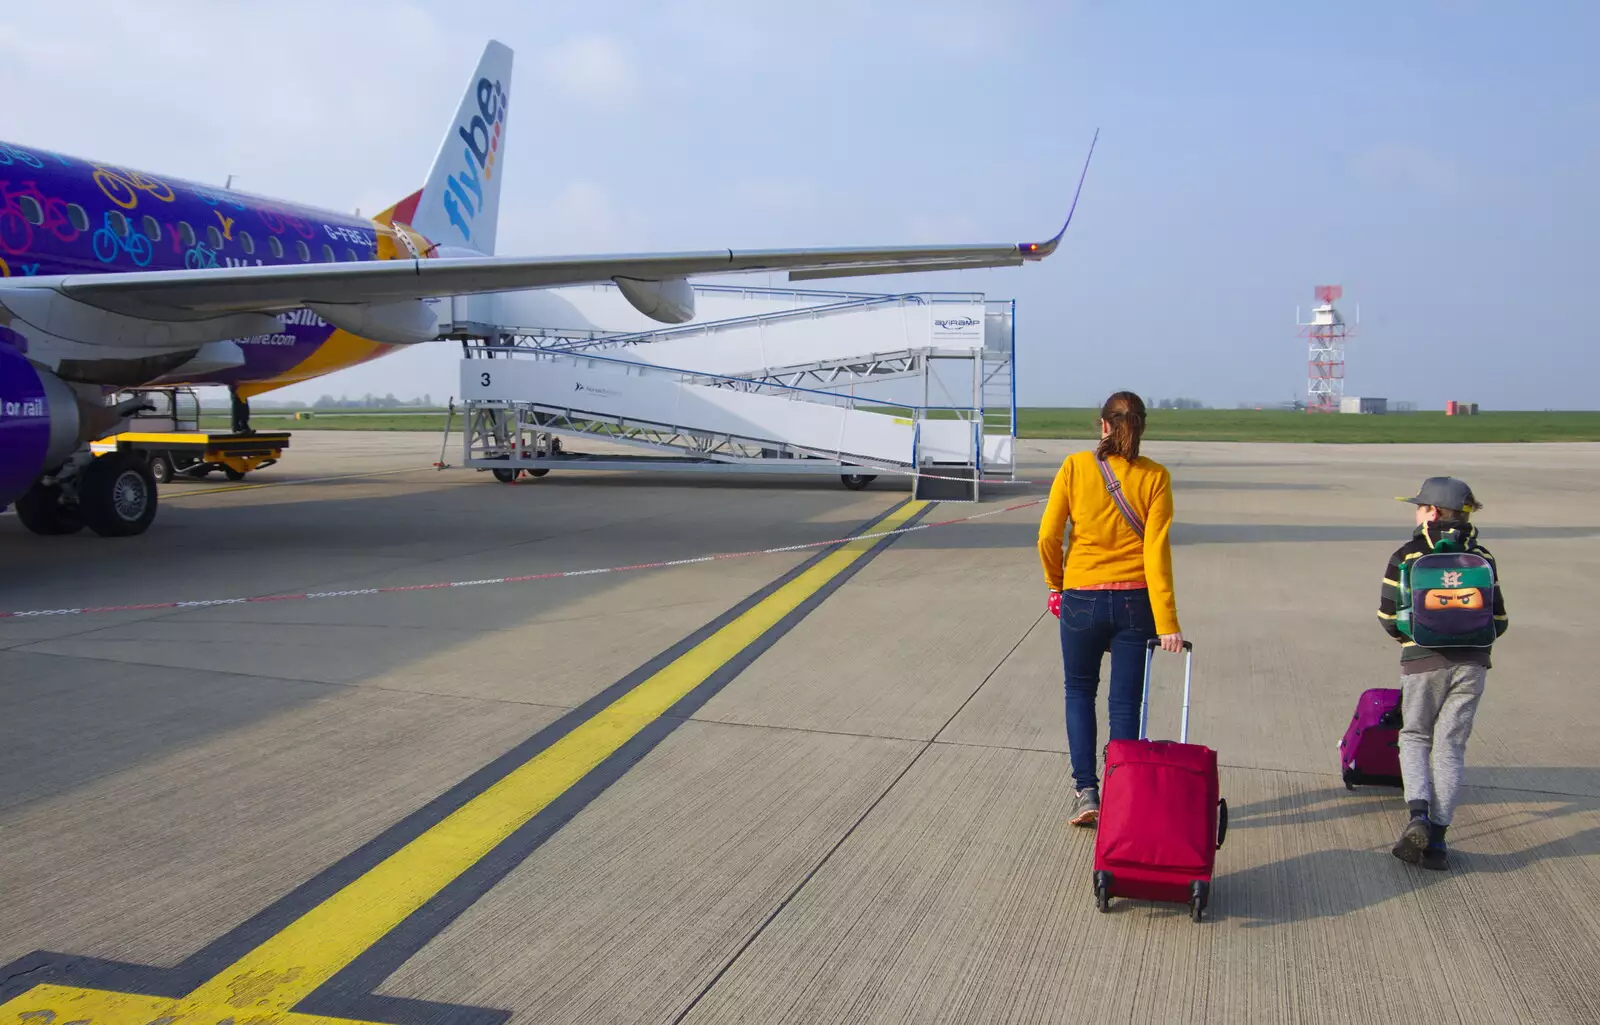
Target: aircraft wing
<point x="209" y="292"/>
<point x="220" y="294"/>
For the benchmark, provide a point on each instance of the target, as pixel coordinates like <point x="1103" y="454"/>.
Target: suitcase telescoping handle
<point x="1144" y="702"/>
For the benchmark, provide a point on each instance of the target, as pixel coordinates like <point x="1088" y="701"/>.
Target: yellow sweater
<point x="1103" y="549"/>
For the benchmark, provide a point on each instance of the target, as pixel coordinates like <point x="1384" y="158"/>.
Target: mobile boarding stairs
<point x="917" y="385"/>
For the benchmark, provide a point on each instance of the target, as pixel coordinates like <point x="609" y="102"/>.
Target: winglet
<point x="1040" y="250"/>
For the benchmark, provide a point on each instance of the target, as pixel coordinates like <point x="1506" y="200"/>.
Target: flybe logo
<point x="463" y="200"/>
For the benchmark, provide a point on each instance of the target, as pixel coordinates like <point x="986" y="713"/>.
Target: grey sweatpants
<point x="1437" y="708"/>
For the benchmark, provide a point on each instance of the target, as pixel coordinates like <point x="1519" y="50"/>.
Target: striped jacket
<point x="1414" y="658"/>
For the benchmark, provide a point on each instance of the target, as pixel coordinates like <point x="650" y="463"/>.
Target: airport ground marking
<point x="224" y="489"/>
<point x="358" y="592"/>
<point x="446" y="466"/>
<point x="321" y="951"/>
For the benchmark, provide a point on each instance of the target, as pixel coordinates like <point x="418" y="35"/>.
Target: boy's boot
<point x="1414" y="838"/>
<point x="1434" y="855"/>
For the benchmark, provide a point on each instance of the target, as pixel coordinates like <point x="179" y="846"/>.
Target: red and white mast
<point x="1325" y="337"/>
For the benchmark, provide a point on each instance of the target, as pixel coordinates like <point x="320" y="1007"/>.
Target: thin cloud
<point x="1412" y="168"/>
<point x="939" y="230"/>
<point x="582" y="217"/>
<point x="44" y="50"/>
<point x="591" y="68"/>
<point x="774" y="195"/>
<point x="325" y="131"/>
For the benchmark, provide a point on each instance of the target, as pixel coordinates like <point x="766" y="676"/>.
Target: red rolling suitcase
<point x="1161" y="817"/>
<point x="1370" y="751"/>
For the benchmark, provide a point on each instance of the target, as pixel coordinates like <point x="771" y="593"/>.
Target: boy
<point x="1439" y="686"/>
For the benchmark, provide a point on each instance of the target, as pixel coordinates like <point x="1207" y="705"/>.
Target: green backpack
<point x="1447" y="599"/>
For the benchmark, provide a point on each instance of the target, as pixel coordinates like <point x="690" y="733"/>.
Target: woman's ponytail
<point x="1124" y="413"/>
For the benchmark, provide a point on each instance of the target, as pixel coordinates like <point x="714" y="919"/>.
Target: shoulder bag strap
<point x="1114" y="487"/>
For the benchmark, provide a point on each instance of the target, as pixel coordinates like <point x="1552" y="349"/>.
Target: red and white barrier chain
<point x="527" y="578"/>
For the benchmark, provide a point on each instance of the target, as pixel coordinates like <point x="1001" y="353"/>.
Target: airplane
<point x="112" y="278"/>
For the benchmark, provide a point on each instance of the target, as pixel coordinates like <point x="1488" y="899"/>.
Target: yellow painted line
<point x="262" y="986"/>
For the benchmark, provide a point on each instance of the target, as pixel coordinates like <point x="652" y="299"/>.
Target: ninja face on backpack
<point x="1443" y="601"/>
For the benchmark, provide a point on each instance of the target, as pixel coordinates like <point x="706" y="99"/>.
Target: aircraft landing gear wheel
<point x="857" y="481"/>
<point x="161" y="467"/>
<point x="41" y="511"/>
<point x="232" y="474"/>
<point x="504" y="476"/>
<point x="117" y="495"/>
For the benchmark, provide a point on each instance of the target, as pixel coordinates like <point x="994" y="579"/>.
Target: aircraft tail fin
<point x="459" y="207"/>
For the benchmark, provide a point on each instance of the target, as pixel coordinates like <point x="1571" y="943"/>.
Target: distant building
<point x="1361" y="404"/>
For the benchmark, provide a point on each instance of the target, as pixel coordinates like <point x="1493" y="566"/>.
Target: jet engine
<point x="670" y="301"/>
<point x="46" y="468"/>
<point x="399" y="322"/>
<point x="39" y="423"/>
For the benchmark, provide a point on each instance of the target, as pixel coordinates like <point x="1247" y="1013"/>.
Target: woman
<point x="1114" y="592"/>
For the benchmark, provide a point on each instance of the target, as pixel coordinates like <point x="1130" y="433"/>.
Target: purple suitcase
<point x="1369" y="754"/>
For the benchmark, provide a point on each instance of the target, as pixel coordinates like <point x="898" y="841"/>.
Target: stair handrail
<point x="657" y="368"/>
<point x="661" y="334"/>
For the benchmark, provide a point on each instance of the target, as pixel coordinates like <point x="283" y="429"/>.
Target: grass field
<point x="1285" y="426"/>
<point x="1165" y="425"/>
<point x="375" y="421"/>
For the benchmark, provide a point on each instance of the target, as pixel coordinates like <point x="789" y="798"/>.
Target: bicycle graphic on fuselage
<point x="201" y="255"/>
<point x="108" y="244"/>
<point x="123" y="187"/>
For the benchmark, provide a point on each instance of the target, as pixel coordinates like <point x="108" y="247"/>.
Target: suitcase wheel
<point x="1199" y="897"/>
<point x="1102" y="891"/>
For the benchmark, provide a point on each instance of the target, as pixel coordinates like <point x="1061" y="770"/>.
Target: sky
<point x="1437" y="158"/>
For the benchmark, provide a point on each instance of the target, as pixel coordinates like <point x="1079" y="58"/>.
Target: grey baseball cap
<point x="1444" y="493"/>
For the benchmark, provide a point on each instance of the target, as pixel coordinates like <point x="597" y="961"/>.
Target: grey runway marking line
<point x="85" y="610"/>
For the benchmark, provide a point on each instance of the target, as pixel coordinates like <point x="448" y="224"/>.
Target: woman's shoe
<point x="1085" y="807"/>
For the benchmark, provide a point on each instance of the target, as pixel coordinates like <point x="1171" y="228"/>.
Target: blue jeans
<point x="1092" y="623"/>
